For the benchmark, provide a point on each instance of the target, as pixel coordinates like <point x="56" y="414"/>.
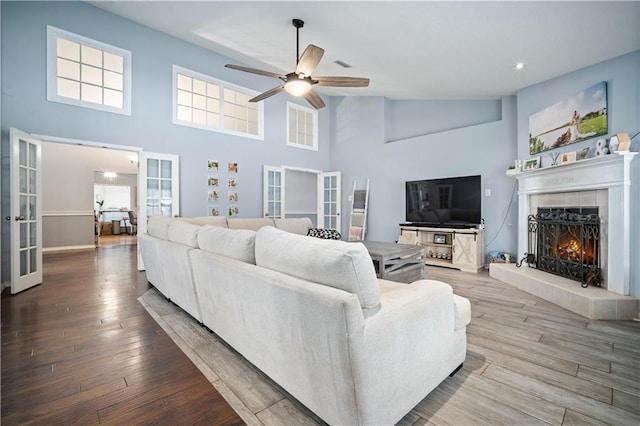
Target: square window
<point x="68" y="89"/>
<point x="302" y="127"/>
<point x="91" y="56"/>
<point x="87" y="73"/>
<point x="113" y="62"/>
<point x="229" y="109"/>
<point x="213" y="90"/>
<point x="184" y="113"/>
<point x="229" y="123"/>
<point x="213" y="105"/>
<point x="229" y="95"/>
<point x="68" y="49"/>
<point x="184" y="98"/>
<point x="184" y="82"/>
<point x="113" y="80"/>
<point x="91" y="75"/>
<point x="68" y="69"/>
<point x="213" y="120"/>
<point x="91" y="93"/>
<point x="113" y="98"/>
<point x="199" y="117"/>
<point x="199" y="87"/>
<point x="199" y="101"/>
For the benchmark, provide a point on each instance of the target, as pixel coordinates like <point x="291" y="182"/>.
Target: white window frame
<point x="53" y="34"/>
<point x="222" y="84"/>
<point x="314" y="114"/>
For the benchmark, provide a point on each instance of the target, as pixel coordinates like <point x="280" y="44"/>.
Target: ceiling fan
<point x="300" y="81"/>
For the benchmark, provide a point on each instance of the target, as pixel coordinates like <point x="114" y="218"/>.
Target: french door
<point x="25" y="211"/>
<point x="329" y="205"/>
<point x="273" y="192"/>
<point x="159" y="187"/>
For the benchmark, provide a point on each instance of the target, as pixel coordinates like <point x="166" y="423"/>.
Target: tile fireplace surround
<point x="602" y="182"/>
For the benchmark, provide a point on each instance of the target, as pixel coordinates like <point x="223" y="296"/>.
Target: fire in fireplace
<point x="566" y="242"/>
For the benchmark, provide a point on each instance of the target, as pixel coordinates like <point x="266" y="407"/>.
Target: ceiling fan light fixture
<point x="297" y="87"/>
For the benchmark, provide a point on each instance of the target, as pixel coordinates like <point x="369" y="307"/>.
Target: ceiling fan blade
<point x="267" y="94"/>
<point x="253" y="71"/>
<point x="314" y="99"/>
<point x="309" y="60"/>
<point x="342" y="81"/>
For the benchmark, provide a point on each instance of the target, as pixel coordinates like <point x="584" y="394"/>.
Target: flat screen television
<point x="454" y="202"/>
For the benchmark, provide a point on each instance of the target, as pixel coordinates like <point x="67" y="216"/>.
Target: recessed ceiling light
<point x="519" y="66"/>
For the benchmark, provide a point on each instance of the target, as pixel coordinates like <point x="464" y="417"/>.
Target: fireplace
<point x="603" y="182"/>
<point x="566" y="242"/>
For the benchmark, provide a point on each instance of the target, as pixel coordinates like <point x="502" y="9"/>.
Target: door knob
<point x="7" y="217"/>
<point x="19" y="217"/>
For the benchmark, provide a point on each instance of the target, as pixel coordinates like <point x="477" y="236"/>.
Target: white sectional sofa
<point x="311" y="314"/>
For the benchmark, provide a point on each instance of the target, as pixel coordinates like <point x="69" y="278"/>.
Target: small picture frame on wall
<point x="439" y="239"/>
<point x="531" y="163"/>
<point x="568" y="157"/>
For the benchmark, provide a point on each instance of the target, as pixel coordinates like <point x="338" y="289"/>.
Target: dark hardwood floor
<point x="79" y="348"/>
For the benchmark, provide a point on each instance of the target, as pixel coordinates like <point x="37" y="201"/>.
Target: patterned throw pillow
<point x="326" y="234"/>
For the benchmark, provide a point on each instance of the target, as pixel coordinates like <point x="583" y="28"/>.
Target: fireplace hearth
<point x="566" y="242"/>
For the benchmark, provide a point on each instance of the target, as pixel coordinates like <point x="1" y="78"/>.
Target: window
<point x="211" y="104"/>
<point x="87" y="73"/>
<point x="302" y="127"/>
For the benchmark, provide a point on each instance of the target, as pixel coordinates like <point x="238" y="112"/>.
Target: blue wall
<point x="150" y="125"/>
<point x="622" y="75"/>
<point x="479" y="139"/>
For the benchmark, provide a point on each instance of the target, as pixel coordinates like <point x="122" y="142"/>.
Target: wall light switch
<point x="487" y="192"/>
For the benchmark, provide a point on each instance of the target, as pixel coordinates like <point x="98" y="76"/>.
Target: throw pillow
<point x="325" y="234"/>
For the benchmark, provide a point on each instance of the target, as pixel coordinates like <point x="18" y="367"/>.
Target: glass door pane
<point x="273" y="193"/>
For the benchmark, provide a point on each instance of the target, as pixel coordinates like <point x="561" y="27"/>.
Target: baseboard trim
<point x="68" y="248"/>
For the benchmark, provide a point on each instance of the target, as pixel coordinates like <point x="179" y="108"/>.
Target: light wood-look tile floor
<point x="528" y="362"/>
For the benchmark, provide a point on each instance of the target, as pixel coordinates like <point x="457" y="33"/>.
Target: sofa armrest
<point x="412" y="344"/>
<point x="462" y="310"/>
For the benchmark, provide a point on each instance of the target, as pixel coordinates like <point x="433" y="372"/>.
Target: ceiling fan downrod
<point x="298" y="23"/>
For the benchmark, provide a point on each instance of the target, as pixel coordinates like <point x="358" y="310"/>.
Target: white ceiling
<point x="409" y="50"/>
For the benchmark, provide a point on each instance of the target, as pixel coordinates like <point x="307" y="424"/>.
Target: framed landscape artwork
<point x="577" y="118"/>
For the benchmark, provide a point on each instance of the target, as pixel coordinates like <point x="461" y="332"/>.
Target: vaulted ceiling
<point x="409" y="50"/>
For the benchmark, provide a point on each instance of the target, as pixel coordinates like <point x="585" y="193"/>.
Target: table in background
<point x="396" y="262"/>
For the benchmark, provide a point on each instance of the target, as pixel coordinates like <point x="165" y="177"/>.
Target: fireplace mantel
<point x="610" y="172"/>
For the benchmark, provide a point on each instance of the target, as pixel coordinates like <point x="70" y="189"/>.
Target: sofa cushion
<point x="158" y="226"/>
<point x="206" y="220"/>
<point x="235" y="243"/>
<point x="296" y="225"/>
<point x="246" y="223"/>
<point x="183" y="233"/>
<point x="338" y="264"/>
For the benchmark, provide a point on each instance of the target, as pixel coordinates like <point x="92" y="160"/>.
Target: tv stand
<point x="449" y="247"/>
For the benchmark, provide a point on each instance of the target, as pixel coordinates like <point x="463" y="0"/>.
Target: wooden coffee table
<point x="397" y="262"/>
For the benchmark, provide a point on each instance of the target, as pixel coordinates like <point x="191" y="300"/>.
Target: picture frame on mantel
<point x="568" y="157"/>
<point x="531" y="163"/>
